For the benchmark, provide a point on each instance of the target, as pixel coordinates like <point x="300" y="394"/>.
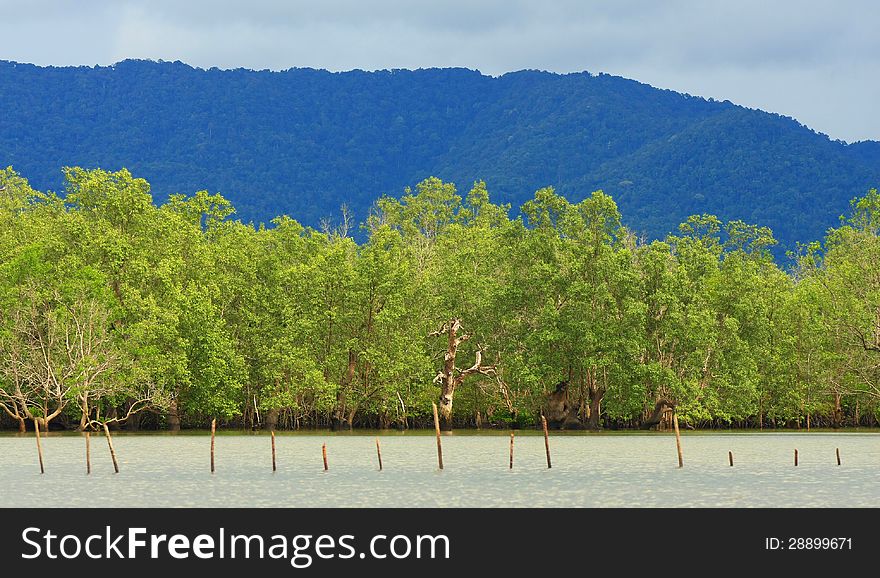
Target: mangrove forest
<point x="115" y="310"/>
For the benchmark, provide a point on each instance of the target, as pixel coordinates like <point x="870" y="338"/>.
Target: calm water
<point x="589" y="470"/>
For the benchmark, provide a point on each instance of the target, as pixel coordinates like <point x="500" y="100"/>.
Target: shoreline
<point x="470" y="432"/>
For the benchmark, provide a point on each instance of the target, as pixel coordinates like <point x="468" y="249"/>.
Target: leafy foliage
<point x="110" y="303"/>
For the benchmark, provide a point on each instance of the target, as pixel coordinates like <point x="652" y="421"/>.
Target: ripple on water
<point x="588" y="471"/>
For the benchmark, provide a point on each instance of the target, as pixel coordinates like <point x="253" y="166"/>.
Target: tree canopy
<point x="111" y="304"/>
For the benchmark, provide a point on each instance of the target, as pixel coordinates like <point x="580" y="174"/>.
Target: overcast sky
<point x="816" y="61"/>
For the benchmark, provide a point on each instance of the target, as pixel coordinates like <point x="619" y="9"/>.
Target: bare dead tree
<point x="13" y="399"/>
<point x="37" y="385"/>
<point x="450" y="376"/>
<point x="147" y="400"/>
<point x="61" y="351"/>
<point x="345" y="226"/>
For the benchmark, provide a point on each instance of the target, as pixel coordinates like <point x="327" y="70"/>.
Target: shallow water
<point x="589" y="470"/>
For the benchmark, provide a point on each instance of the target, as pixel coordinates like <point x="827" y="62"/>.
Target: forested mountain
<point x="303" y="142"/>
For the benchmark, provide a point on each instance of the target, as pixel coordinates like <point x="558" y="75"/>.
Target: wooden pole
<point x="546" y="440"/>
<point x="39" y="445"/>
<point x="213" y="432"/>
<point x="273" y="450"/>
<point x="795" y="457"/>
<point x="324" y="455"/>
<point x="112" y="451"/>
<point x="730" y="458"/>
<point x="837" y="451"/>
<point x="88" y="453"/>
<point x="677" y="439"/>
<point x="511" y="450"/>
<point x="437" y="431"/>
<point x="379" y="453"/>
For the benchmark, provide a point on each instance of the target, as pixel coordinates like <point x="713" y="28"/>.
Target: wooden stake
<point x="837" y="451"/>
<point x="677" y="439"/>
<point x="273" y="450"/>
<point x="379" y="453"/>
<point x="324" y="454"/>
<point x="795" y="457"/>
<point x="437" y="431"/>
<point x="511" y="450"/>
<point x="730" y="458"/>
<point x="112" y="451"/>
<point x="88" y="453"/>
<point x="546" y="440"/>
<point x="39" y="445"/>
<point x="213" y="431"/>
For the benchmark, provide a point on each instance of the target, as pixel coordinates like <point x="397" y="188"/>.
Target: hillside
<point x="304" y="141"/>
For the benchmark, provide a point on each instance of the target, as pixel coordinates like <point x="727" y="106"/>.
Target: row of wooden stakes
<point x="729" y="454"/>
<point x="681" y="458"/>
<point x="378" y="447"/>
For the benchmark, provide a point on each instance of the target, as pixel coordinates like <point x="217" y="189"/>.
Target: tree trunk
<point x="450" y="376"/>
<point x="339" y="418"/>
<point x="271" y="419"/>
<point x="112" y="414"/>
<point x="837" y="414"/>
<point x="558" y="411"/>
<point x="86" y="413"/>
<point x="21" y="425"/>
<point x="761" y="413"/>
<point x="662" y="408"/>
<point x="133" y="423"/>
<point x="596" y="396"/>
<point x="173" y="416"/>
<point x="444" y="406"/>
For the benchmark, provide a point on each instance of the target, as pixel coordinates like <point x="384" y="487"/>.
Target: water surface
<point x="589" y="470"/>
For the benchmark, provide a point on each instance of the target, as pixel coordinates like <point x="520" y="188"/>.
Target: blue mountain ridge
<point x="303" y="142"/>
